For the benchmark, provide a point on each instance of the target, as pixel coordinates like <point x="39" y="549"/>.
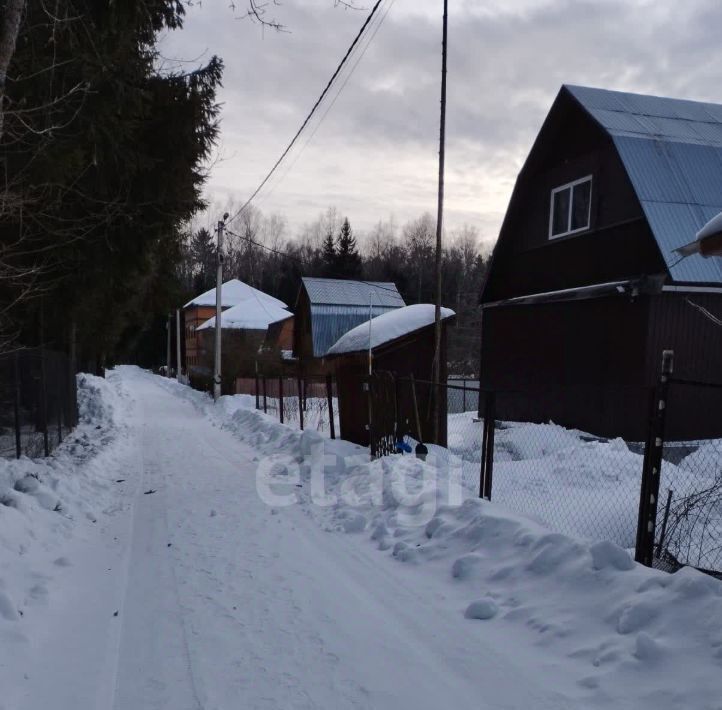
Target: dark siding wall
<point x="619" y="243"/>
<point x="697" y="342"/>
<point x="693" y="412"/>
<point x="579" y="364"/>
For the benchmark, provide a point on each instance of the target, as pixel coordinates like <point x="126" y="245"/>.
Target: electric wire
<point x="312" y="112"/>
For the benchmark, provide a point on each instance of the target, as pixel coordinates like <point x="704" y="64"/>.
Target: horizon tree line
<point x="261" y="251"/>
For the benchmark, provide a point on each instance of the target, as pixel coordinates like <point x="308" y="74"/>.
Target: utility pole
<point x="177" y="345"/>
<point x="439" y="227"/>
<point x="219" y="308"/>
<point x="167" y="354"/>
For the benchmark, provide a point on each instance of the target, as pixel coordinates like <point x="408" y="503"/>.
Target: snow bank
<point x="43" y="502"/>
<point x="387" y="327"/>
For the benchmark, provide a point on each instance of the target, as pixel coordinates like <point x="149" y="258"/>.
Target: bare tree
<point x="9" y="28"/>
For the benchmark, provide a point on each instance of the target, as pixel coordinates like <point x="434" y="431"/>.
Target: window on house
<point x="571" y="208"/>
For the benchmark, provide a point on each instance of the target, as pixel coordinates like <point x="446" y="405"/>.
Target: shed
<point x="586" y="287"/>
<point x="245" y="318"/>
<point x="328" y="308"/>
<point x="401" y="344"/>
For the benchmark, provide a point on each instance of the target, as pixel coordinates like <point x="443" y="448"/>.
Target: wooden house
<point x="246" y="314"/>
<point x="402" y="345"/>
<point x="328" y="308"/>
<point x="586" y="289"/>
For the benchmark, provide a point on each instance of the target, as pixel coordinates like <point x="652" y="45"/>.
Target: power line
<point x="313" y="110"/>
<point x="335" y="98"/>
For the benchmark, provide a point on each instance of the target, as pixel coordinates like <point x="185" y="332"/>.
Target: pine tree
<point x="348" y="260"/>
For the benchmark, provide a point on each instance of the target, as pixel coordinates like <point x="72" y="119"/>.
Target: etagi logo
<point x="414" y="489"/>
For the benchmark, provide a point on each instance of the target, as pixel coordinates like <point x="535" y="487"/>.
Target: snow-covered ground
<point x="192" y="555"/>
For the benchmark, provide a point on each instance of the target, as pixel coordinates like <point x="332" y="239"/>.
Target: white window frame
<point x="561" y="188"/>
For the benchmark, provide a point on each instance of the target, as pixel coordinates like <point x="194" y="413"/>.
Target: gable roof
<point x="343" y="292"/>
<point x="672" y="152"/>
<point x="233" y="293"/>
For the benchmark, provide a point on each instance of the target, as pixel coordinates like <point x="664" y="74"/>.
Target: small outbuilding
<point x="245" y="318"/>
<point x="394" y="346"/>
<point x="326" y="309"/>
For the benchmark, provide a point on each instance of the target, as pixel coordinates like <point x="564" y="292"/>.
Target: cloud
<point x="375" y="151"/>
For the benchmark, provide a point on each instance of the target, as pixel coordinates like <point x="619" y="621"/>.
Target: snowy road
<point x="178" y="588"/>
<point x="229" y="606"/>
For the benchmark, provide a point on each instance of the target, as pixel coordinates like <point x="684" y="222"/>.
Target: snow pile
<point x="387" y="327"/>
<point x="44" y="503"/>
<point x="233" y="293"/>
<point x="251" y="314"/>
<point x="637" y="637"/>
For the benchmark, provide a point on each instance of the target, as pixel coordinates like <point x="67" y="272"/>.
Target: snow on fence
<point x="594" y="487"/>
<point x="38" y="402"/>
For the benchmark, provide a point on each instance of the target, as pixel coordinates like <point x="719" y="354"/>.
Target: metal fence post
<point x="280" y="398"/>
<point x="329" y="397"/>
<point x="301" y="400"/>
<point x="258" y="394"/>
<point x="44" y="404"/>
<point x="16" y="368"/>
<point x="59" y="407"/>
<point x="265" y="398"/>
<point x="487" y="446"/>
<point x="652" y="466"/>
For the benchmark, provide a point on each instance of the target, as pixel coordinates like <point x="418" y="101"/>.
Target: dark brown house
<point x="586" y="289"/>
<point x="402" y="345"/>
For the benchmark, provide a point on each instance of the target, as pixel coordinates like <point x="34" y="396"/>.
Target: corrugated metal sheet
<point x="341" y="292"/>
<point x="330" y="322"/>
<point x="672" y="151"/>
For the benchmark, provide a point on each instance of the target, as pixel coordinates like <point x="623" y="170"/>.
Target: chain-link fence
<point x="309" y="403"/>
<point x="38" y="402"/>
<point x="571" y="481"/>
<point x="689" y="518"/>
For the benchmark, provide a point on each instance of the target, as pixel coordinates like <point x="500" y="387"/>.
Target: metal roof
<point x="342" y="292"/>
<point x="330" y="322"/>
<point x="672" y="151"/>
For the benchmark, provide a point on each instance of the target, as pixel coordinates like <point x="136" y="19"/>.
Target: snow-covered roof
<point x="387" y="327"/>
<point x="233" y="293"/>
<point x="348" y="292"/>
<point x="251" y="314"/>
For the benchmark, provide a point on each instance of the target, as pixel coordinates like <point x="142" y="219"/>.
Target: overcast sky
<point x="375" y="153"/>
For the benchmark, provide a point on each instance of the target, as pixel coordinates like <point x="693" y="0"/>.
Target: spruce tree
<point x="348" y="260"/>
<point x="109" y="174"/>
